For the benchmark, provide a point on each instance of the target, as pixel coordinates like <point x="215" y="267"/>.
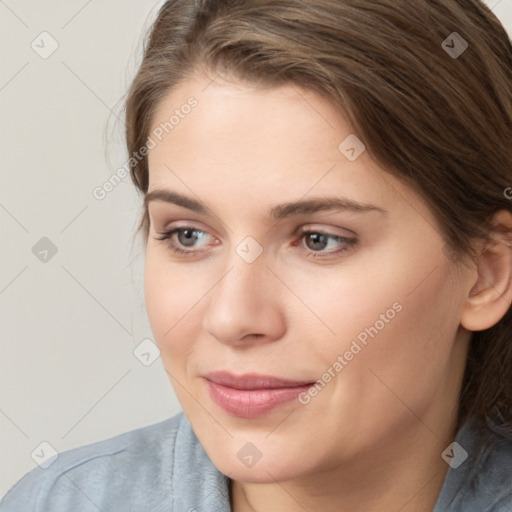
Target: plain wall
<point x="70" y="323"/>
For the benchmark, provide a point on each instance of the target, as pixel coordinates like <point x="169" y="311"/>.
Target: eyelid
<point x="303" y="228"/>
<point x="163" y="219"/>
<point x="184" y="224"/>
<point x="348" y="243"/>
<point x="329" y="230"/>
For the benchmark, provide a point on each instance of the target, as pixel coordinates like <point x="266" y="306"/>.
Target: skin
<point x="372" y="438"/>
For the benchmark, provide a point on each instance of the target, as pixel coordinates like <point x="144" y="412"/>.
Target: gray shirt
<point x="163" y="467"/>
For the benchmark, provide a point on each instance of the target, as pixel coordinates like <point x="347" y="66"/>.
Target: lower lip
<point x="247" y="403"/>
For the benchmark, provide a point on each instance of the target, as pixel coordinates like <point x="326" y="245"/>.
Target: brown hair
<point x="439" y="121"/>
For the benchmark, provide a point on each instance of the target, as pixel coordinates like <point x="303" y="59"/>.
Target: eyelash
<point x="350" y="242"/>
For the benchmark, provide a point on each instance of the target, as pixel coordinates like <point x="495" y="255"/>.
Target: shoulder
<point x="103" y="474"/>
<point x="494" y="475"/>
<point x="483" y="480"/>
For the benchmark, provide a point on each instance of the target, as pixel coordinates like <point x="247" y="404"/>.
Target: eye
<point x="186" y="236"/>
<point x="317" y="240"/>
<point x="183" y="240"/>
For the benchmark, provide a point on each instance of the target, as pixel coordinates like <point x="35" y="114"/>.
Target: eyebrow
<point x="277" y="212"/>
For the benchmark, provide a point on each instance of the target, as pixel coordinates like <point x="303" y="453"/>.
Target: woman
<point x="327" y="221"/>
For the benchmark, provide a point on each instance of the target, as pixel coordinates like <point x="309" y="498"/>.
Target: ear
<point x="491" y="292"/>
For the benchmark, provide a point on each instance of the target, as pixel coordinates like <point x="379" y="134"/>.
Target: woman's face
<point x="361" y="297"/>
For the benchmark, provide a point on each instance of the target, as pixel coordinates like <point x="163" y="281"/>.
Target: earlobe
<point x="491" y="293"/>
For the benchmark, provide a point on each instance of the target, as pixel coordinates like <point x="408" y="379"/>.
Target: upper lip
<point x="253" y="381"/>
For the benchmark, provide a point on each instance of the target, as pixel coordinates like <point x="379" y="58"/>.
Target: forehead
<point x="240" y="127"/>
<point x="232" y="106"/>
<point x="264" y="142"/>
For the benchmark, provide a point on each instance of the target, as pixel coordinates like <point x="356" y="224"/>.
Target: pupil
<point x="187" y="233"/>
<point x="317" y="239"/>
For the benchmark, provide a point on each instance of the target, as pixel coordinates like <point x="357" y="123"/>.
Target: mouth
<point x="252" y="395"/>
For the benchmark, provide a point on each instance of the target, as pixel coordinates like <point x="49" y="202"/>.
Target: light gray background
<point x="68" y="375"/>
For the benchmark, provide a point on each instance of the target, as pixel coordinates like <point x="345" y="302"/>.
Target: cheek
<point x="172" y="296"/>
<point x="385" y="292"/>
<point x="398" y="320"/>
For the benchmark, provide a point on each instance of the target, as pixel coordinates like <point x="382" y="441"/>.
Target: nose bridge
<point x="246" y="276"/>
<point x="242" y="302"/>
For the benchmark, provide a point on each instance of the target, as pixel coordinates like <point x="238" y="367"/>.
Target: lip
<point x="253" y="381"/>
<point x="252" y="395"/>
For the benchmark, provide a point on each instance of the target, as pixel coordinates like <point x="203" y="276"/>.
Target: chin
<point x="261" y="473"/>
<point x="271" y="467"/>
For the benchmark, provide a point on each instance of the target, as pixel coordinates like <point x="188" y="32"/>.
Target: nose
<point x="245" y="306"/>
